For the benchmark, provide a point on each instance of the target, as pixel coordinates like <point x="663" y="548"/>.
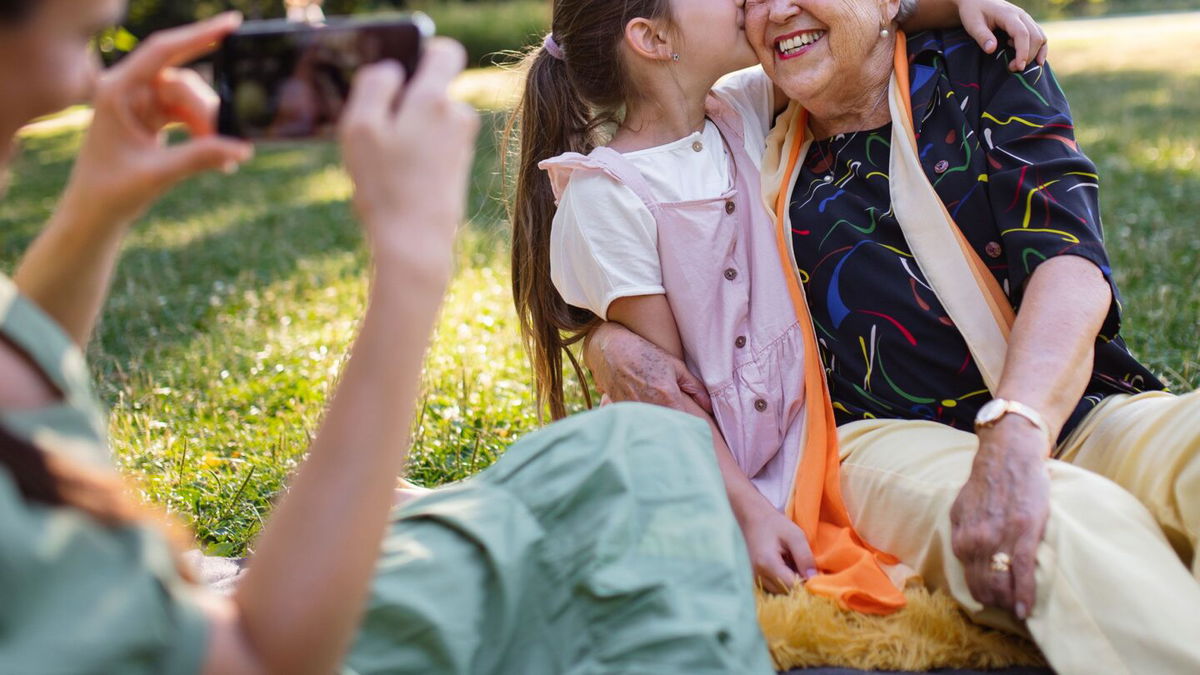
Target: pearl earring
<point x="884" y="33"/>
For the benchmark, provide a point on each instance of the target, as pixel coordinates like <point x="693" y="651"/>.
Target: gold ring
<point x="1001" y="562"/>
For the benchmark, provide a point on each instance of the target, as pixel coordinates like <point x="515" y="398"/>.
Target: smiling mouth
<point x="791" y="46"/>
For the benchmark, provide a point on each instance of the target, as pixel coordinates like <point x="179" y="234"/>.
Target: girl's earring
<point x="884" y="33"/>
<point x="675" y="57"/>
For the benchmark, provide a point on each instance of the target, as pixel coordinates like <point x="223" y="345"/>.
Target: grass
<point x="237" y="297"/>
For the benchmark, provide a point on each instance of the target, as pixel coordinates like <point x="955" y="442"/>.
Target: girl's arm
<point x="772" y="539"/>
<point x="980" y="18"/>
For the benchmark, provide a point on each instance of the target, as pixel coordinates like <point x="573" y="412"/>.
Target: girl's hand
<point x="408" y="150"/>
<point x="981" y="17"/>
<point x="779" y="551"/>
<point x="125" y="163"/>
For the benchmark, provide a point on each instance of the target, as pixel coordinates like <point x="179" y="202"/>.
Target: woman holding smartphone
<point x="548" y="561"/>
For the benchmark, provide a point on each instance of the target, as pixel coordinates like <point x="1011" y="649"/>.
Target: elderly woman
<point x="943" y="229"/>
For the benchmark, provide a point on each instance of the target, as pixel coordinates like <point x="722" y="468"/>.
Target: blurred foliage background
<point x="489" y="27"/>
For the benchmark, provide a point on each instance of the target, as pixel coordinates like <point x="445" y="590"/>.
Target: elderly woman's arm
<point x="1005" y="503"/>
<point x="1043" y="195"/>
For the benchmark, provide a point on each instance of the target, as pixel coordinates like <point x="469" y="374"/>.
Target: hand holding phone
<point x="410" y="162"/>
<point x="279" y="80"/>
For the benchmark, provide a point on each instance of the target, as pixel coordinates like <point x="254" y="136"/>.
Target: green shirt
<point x="77" y="596"/>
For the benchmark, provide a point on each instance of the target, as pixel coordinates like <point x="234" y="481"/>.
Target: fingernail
<point x="989" y="45"/>
<point x="1021" y="613"/>
<point x="810" y="573"/>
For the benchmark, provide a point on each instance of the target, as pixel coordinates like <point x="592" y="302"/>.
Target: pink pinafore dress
<point x="727" y="290"/>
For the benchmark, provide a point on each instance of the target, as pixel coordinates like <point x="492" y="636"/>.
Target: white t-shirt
<point x="604" y="241"/>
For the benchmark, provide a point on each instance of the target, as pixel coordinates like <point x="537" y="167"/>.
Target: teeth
<point x="803" y="40"/>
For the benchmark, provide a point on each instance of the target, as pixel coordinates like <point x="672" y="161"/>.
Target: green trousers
<point x="601" y="544"/>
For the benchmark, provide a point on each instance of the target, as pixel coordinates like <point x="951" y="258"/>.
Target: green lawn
<point x="237" y="297"/>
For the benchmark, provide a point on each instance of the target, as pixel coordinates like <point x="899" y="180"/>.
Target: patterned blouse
<point x="999" y="148"/>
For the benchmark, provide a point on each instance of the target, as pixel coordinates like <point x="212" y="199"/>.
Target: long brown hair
<point x="567" y="106"/>
<point x="53" y="480"/>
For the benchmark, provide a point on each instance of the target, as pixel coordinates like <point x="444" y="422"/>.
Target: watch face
<point x="990" y="412"/>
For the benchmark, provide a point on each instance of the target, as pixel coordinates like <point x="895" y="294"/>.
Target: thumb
<point x="693" y="387"/>
<point x="976" y="25"/>
<point x="802" y="558"/>
<point x="207" y="153"/>
<point x="775" y="575"/>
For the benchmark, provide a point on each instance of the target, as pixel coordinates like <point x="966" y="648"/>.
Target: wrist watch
<point x="994" y="410"/>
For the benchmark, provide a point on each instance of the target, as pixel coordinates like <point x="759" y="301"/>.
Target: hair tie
<point x="552" y="48"/>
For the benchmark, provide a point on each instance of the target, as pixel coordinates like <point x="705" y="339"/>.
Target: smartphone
<point x="280" y="80"/>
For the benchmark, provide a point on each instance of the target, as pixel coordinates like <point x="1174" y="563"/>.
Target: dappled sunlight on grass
<point x="330" y="184"/>
<point x="1162" y="41"/>
<point x="237" y="297"/>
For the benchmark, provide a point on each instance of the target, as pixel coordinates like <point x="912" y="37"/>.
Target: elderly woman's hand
<point x="981" y="17"/>
<point x="1000" y="516"/>
<point x="627" y="367"/>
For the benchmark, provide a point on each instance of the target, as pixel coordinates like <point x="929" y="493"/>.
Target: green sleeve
<point x="79" y="597"/>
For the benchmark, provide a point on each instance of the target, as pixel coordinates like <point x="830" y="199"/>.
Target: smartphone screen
<point x="280" y="80"/>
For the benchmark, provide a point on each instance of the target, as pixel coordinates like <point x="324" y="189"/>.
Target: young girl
<point x="661" y="229"/>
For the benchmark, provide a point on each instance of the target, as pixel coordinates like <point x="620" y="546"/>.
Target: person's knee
<point x="638" y="428"/>
<point x="1073" y="487"/>
<point x="1090" y="505"/>
<point x="627" y="444"/>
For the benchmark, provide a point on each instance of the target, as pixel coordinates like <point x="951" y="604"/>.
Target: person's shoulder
<point x="577" y="179"/>
<point x="750" y="95"/>
<point x="594" y="185"/>
<point x="739" y="84"/>
<point x="23" y="385"/>
<point x="597" y="204"/>
<point x="958" y="54"/>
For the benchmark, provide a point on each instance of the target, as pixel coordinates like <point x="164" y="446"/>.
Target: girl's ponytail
<point x="550" y="119"/>
<point x="575" y="87"/>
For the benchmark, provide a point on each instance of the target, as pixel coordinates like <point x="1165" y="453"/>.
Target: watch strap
<point x="1023" y="410"/>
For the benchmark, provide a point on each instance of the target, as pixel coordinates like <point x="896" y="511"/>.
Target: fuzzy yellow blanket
<point x="803" y="630"/>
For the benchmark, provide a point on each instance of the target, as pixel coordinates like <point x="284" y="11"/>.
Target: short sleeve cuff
<point x="626" y="292"/>
<point x="1112" y="321"/>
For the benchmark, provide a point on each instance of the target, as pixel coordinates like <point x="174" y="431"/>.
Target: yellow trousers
<point x="1115" y="594"/>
